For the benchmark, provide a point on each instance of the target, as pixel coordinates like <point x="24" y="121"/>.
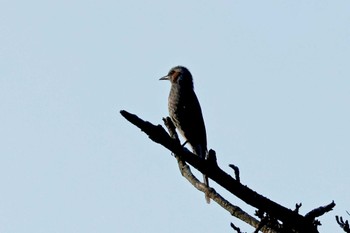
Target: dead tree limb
<point x="291" y="220"/>
<point x="343" y="224"/>
<point x="313" y="214"/>
<point x="186" y="172"/>
<point x="232" y="209"/>
<point x="234" y="227"/>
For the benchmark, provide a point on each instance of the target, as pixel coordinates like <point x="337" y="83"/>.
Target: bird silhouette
<point x="186" y="114"/>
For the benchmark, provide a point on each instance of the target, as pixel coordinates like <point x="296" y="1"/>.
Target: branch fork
<point x="291" y="221"/>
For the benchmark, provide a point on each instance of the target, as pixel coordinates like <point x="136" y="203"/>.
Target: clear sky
<point x="272" y="77"/>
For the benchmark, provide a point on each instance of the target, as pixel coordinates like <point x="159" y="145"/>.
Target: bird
<point x="186" y="114"/>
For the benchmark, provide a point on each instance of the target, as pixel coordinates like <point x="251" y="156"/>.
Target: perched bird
<point x="185" y="112"/>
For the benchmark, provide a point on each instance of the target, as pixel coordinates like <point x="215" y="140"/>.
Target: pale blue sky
<point x="273" y="79"/>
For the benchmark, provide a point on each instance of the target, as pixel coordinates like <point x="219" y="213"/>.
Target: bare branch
<point x="232" y="209"/>
<point x="186" y="172"/>
<point x="237" y="229"/>
<point x="342" y="224"/>
<point x="320" y="211"/>
<point x="297" y="207"/>
<point x="275" y="211"/>
<point x="236" y="170"/>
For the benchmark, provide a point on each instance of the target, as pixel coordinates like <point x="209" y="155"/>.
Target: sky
<point x="272" y="78"/>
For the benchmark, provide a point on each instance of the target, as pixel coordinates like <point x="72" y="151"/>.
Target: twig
<point x="236" y="170"/>
<point x="297" y="207"/>
<point x="320" y="211"/>
<point x="342" y="224"/>
<point x="237" y="229"/>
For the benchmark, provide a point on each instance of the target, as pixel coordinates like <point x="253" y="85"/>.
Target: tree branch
<point x="342" y="224"/>
<point x="320" y="211"/>
<point x="237" y="229"/>
<point x="186" y="172"/>
<point x="289" y="218"/>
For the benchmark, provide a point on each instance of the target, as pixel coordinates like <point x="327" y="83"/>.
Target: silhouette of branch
<point x="232" y="209"/>
<point x="342" y="224"/>
<point x="237" y="229"/>
<point x="320" y="211"/>
<point x="186" y="172"/>
<point x="236" y="170"/>
<point x="291" y="220"/>
<point x="297" y="207"/>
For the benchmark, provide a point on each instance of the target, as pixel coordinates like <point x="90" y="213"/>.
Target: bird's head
<point x="179" y="75"/>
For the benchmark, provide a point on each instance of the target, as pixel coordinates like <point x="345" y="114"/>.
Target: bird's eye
<point x="171" y="72"/>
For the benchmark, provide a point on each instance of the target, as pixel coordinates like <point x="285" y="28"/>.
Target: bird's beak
<point x="165" y="78"/>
